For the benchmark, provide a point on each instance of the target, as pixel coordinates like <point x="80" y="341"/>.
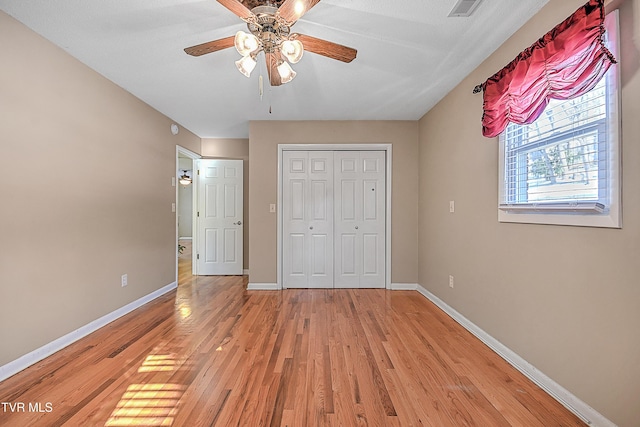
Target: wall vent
<point x="464" y="8"/>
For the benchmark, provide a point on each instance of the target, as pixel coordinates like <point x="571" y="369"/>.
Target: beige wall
<point x="566" y="299"/>
<point x="237" y="149"/>
<point x="86" y="194"/>
<point x="264" y="138"/>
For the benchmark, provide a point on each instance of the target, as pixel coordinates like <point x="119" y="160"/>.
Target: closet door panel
<point x="360" y="224"/>
<point x="307" y="209"/>
<point x="320" y="219"/>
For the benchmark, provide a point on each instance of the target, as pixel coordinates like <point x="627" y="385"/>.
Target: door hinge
<point x="198" y="214"/>
<point x="197" y="256"/>
<point x="198" y="172"/>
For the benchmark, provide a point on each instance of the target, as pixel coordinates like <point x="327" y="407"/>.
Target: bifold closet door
<point x="307" y="216"/>
<point x="360" y="219"/>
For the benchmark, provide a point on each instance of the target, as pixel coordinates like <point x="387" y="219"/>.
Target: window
<point x="564" y="168"/>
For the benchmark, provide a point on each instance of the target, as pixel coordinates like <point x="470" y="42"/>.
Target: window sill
<point x="575" y="217"/>
<point x="576" y="207"/>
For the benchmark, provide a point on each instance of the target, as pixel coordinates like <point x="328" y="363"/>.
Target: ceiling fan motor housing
<point x="268" y="27"/>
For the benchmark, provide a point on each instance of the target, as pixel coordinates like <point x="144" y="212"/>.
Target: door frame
<point x="387" y="148"/>
<point x="181" y="151"/>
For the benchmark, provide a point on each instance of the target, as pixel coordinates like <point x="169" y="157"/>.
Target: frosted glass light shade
<point x="292" y="50"/>
<point x="286" y="73"/>
<point x="246" y="43"/>
<point x="246" y="65"/>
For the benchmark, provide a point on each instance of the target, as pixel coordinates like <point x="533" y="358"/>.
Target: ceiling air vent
<point x="464" y="8"/>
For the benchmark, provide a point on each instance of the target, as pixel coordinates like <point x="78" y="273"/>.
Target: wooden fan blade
<point x="327" y="48"/>
<point x="272" y="68"/>
<point x="209" y="47"/>
<point x="236" y="7"/>
<point x="292" y="10"/>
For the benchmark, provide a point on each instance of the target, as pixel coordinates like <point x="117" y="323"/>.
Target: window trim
<point x="578" y="213"/>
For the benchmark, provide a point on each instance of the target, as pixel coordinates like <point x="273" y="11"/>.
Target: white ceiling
<point x="410" y="55"/>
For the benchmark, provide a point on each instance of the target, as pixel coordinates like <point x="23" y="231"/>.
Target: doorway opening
<point x="185" y="202"/>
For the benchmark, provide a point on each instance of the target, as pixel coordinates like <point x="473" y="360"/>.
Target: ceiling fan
<point x="270" y="23"/>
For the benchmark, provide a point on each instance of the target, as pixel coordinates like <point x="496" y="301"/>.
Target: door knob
<point x="356" y="227"/>
<point x="238" y="223"/>
<point x="311" y="228"/>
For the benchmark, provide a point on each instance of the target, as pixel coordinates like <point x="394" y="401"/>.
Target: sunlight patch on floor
<point x="159" y="363"/>
<point x="147" y="405"/>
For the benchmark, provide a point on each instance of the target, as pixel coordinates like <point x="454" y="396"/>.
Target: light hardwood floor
<point x="212" y="353"/>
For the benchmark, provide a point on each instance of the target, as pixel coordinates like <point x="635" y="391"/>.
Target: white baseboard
<point x="245" y="272"/>
<point x="46" y="350"/>
<point x="555" y="390"/>
<point x="263" y="287"/>
<point x="403" y="286"/>
<point x="185" y="238"/>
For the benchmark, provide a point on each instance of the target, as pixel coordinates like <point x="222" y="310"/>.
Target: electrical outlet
<point x="450" y="281"/>
<point x="272" y="207"/>
<point x="124" y="280"/>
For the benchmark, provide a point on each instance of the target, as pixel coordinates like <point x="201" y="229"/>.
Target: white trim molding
<point x="263" y="287"/>
<point x="555" y="390"/>
<point x="46" y="350"/>
<point x="245" y="272"/>
<point x="404" y="287"/>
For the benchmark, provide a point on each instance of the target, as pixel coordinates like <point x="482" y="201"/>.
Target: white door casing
<point x="359" y="219"/>
<point x="219" y="217"/>
<point x="307" y="209"/>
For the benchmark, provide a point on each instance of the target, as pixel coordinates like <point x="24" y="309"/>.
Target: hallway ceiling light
<point x="185" y="179"/>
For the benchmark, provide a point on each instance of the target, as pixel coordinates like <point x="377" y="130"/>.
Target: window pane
<point x="561" y="157"/>
<point x="567" y="170"/>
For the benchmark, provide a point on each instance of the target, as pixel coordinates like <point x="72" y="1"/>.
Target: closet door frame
<point x="336" y="147"/>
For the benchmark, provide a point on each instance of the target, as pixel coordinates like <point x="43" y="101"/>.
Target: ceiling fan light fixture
<point x="246" y="64"/>
<point x="292" y="50"/>
<point x="246" y="43"/>
<point x="286" y="72"/>
<point x="269" y="25"/>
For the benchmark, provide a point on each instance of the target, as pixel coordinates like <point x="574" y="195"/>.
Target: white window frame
<point x="592" y="214"/>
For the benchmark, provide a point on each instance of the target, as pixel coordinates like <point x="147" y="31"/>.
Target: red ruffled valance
<point x="565" y="63"/>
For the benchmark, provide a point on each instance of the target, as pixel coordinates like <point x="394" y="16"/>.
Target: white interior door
<point x="307" y="210"/>
<point x="219" y="217"/>
<point x="360" y="224"/>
